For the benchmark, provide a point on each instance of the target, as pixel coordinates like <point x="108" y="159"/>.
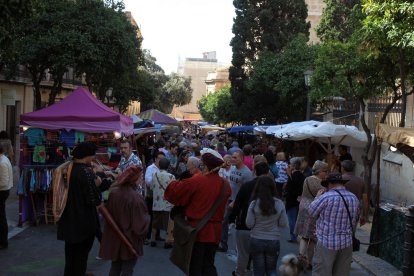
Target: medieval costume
<point x="197" y="195"/>
<point x="79" y="222"/>
<point x="130" y="213"/>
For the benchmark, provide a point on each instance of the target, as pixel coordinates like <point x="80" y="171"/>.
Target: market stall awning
<point x="321" y="132"/>
<point x="211" y="127"/>
<point x="396" y="135"/>
<point x="79" y="111"/>
<point x="158" y="117"/>
<point x="237" y="129"/>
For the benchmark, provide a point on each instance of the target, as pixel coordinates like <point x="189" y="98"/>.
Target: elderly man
<point x="194" y="165"/>
<point x="6" y="183"/>
<point x="336" y="212"/>
<point x="198" y="194"/>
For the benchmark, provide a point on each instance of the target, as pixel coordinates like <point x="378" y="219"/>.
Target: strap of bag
<point x="347" y="210"/>
<point x="307" y="186"/>
<point x="159" y="182"/>
<point x="213" y="209"/>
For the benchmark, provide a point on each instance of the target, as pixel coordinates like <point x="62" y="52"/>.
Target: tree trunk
<point x="37" y="76"/>
<point x="403" y="78"/>
<point x="367" y="161"/>
<point x="56" y="89"/>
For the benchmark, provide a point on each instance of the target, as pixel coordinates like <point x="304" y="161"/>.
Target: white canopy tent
<point x="320" y="132"/>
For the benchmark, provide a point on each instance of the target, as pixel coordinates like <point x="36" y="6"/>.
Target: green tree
<point x="390" y="30"/>
<point x="11" y="13"/>
<point x="218" y="107"/>
<point x="277" y="84"/>
<point x="176" y="91"/>
<point x="109" y="48"/>
<point x="261" y="26"/>
<point x="339" y="20"/>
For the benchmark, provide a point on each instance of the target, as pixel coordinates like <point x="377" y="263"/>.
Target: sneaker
<point x="98" y="258"/>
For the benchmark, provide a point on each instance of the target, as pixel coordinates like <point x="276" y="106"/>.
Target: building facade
<point x="198" y="69"/>
<point x="217" y="79"/>
<point x="315" y="8"/>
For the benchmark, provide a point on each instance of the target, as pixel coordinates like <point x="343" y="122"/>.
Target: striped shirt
<point x="333" y="228"/>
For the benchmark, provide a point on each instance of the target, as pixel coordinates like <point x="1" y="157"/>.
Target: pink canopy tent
<point x="79" y="111"/>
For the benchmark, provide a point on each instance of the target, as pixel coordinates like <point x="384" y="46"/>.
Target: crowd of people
<point x="265" y="191"/>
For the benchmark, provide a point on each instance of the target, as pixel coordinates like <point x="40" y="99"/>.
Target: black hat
<point x="333" y="178"/>
<point x="83" y="150"/>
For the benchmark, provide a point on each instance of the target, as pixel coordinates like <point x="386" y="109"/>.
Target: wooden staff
<point x="111" y="222"/>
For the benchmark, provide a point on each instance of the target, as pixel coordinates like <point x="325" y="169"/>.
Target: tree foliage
<point x="95" y="39"/>
<point x="277" y="89"/>
<point x="218" y="107"/>
<point x="261" y="26"/>
<point x="339" y="20"/>
<point x="393" y="18"/>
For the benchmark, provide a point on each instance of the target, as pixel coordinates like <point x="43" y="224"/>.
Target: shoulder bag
<point x="185" y="235"/>
<point x="355" y="242"/>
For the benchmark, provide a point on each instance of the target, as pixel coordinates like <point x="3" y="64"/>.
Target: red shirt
<point x="198" y="194"/>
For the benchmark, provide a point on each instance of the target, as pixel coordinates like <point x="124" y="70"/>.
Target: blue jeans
<point x="292" y="214"/>
<point x="264" y="254"/>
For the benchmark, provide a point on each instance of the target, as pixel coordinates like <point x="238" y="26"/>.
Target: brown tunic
<point x="131" y="215"/>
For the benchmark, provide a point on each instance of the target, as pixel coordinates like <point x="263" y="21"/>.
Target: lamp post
<point x="307" y="74"/>
<point x="108" y="95"/>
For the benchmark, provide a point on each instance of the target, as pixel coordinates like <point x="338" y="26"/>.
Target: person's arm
<point x="179" y="193"/>
<point x="283" y="220"/>
<point x="237" y="205"/>
<point x="4" y="175"/>
<point x="90" y="190"/>
<point x="316" y="207"/>
<point x="251" y="217"/>
<point x="148" y="176"/>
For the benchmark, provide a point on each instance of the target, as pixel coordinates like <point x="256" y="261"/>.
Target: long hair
<point x="265" y="191"/>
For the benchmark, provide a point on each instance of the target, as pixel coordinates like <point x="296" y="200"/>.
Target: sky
<point x="177" y="29"/>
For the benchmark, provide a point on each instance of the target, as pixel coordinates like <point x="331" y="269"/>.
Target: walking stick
<point x="111" y="222"/>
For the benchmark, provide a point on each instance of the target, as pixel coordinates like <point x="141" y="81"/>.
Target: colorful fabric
<point x="282" y="167"/>
<point x="159" y="184"/>
<point x="35" y="136"/>
<point x="333" y="229"/>
<point x="39" y="154"/>
<point x="79" y="137"/>
<point x="68" y="137"/>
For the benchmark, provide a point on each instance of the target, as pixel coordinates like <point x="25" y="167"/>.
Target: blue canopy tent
<point x="238" y="129"/>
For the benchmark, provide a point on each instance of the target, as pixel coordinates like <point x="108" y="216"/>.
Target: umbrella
<point x="158" y="117"/>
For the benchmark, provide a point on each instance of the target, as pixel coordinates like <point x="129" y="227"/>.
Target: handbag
<point x="185" y="235"/>
<point x="355" y="242"/>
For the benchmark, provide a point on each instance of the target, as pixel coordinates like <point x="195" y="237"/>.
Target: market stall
<point x="47" y="138"/>
<point x="390" y="217"/>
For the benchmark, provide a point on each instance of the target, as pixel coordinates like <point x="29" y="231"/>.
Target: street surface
<point x="34" y="250"/>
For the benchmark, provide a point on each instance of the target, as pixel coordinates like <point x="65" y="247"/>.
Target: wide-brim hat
<point x="333" y="178"/>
